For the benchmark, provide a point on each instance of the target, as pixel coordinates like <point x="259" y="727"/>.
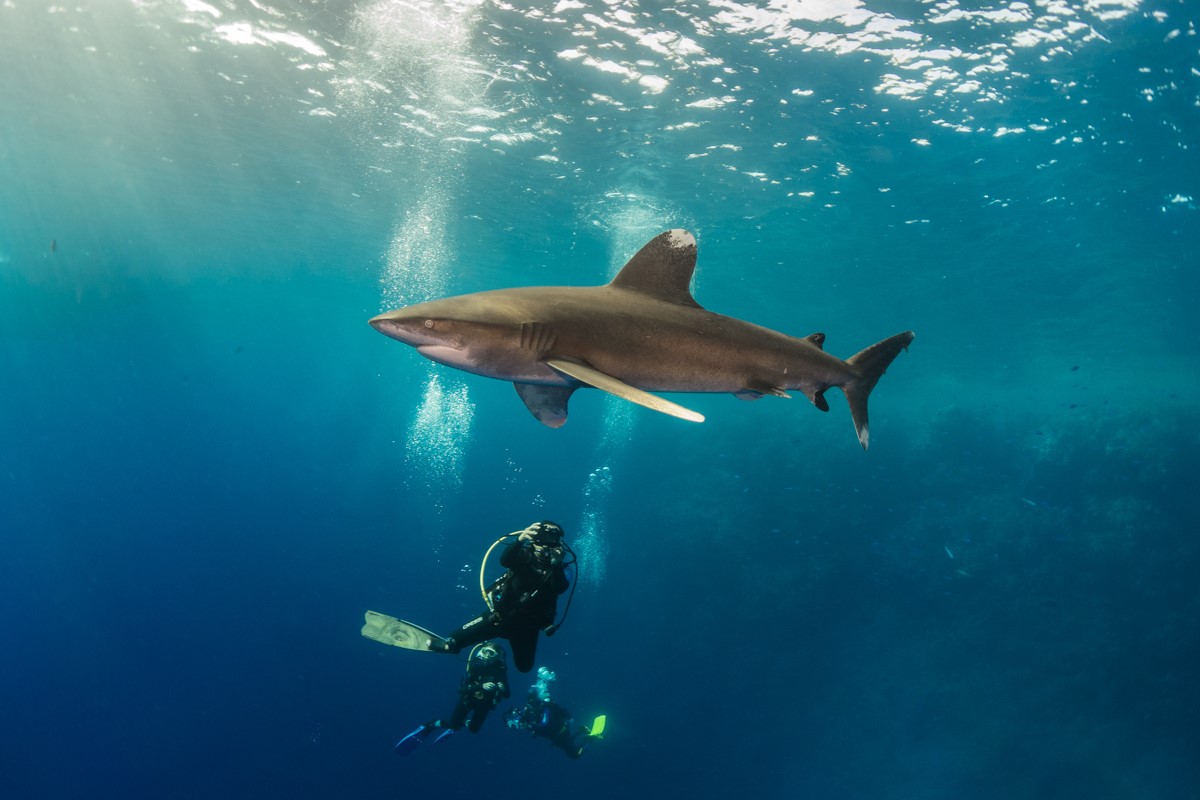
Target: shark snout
<point x="407" y="328"/>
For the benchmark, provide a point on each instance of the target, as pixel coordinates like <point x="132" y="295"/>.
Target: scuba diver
<point x="479" y="691"/>
<point x="541" y="716"/>
<point x="522" y="601"/>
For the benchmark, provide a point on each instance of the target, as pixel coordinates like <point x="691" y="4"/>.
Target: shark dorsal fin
<point x="662" y="268"/>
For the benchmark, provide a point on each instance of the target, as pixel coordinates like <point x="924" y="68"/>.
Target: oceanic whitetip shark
<point x="643" y="332"/>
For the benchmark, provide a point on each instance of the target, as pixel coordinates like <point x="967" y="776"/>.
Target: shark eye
<point x="428" y="323"/>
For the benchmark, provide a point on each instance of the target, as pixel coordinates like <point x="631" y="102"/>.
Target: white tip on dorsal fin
<point x="594" y="377"/>
<point x="662" y="268"/>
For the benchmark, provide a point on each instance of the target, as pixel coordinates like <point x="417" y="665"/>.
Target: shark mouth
<point x="447" y="354"/>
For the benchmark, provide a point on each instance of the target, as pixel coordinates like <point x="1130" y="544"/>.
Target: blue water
<point x="210" y="466"/>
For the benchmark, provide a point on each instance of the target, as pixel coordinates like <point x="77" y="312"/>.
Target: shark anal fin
<point x="596" y="378"/>
<point x="548" y="404"/>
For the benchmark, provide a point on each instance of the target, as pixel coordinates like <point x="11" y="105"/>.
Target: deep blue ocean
<point x="211" y="466"/>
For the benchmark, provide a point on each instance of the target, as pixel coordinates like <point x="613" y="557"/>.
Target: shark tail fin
<point x="869" y="365"/>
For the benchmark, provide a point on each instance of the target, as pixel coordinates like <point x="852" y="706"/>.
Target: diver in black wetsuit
<point x="543" y="717"/>
<point x="481" y="689"/>
<point x="524" y="600"/>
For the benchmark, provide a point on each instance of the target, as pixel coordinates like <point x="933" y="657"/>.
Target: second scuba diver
<point x="480" y="691"/>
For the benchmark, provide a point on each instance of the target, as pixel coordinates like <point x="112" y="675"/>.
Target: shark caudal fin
<point x="870" y="364"/>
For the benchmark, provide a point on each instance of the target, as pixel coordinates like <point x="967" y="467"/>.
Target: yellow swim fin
<point x="597" y="728"/>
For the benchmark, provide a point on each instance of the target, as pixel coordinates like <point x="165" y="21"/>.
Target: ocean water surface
<point x="211" y="466"/>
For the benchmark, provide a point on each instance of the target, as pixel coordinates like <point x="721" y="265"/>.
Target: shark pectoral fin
<point x="548" y="404"/>
<point x="594" y="377"/>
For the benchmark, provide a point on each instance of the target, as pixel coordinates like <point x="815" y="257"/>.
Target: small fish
<point x="54" y="245"/>
<point x="947" y="549"/>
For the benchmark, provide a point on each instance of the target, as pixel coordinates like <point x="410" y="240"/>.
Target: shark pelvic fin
<point x="548" y="404"/>
<point x="663" y="269"/>
<point x="596" y="378"/>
